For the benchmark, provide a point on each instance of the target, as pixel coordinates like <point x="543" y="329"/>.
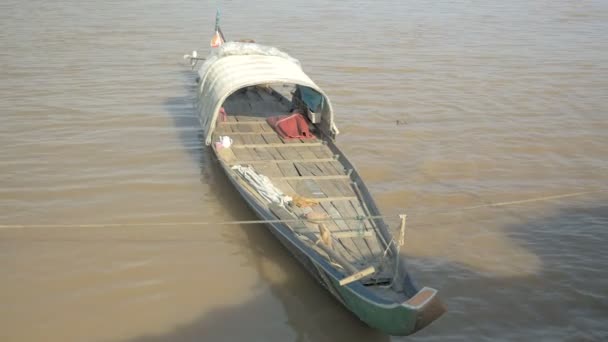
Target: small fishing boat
<point x="273" y="132"/>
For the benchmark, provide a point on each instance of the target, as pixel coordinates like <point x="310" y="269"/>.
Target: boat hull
<point x="389" y="317"/>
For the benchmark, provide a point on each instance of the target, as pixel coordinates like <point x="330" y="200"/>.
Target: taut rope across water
<point x="246" y="222"/>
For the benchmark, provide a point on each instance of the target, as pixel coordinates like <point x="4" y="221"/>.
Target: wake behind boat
<point x="273" y="132"/>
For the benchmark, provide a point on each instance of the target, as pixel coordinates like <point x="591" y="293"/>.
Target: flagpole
<point x="217" y="24"/>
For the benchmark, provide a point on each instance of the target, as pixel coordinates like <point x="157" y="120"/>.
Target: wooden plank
<point x="346" y="234"/>
<point x="345" y="208"/>
<point x="369" y="247"/>
<point x="306" y="153"/>
<point x="336" y="215"/>
<point x="272" y="151"/>
<point x="357" y="276"/>
<point x="272" y="139"/>
<point x="332" y="168"/>
<point x="309" y="169"/>
<point x="298" y="161"/>
<point x="233" y="122"/>
<point x="331" y="177"/>
<point x="362" y="203"/>
<point x="243" y="140"/>
<point x="255" y="130"/>
<point x="242" y="128"/>
<point x="348" y="253"/>
<point x="332" y="199"/>
<point x="288" y="153"/>
<point x="372" y="245"/>
<point x="344" y="187"/>
<point x="275" y="145"/>
<point x="246" y="128"/>
<point x="248" y="139"/>
<point x="276" y="156"/>
<point x="226" y="155"/>
<point x="262" y="153"/>
<point x="344" y="226"/>
<point x="305" y="172"/>
<point x="288" y="170"/>
<point x="266" y="127"/>
<point x="337" y="166"/>
<point x="248" y="117"/>
<point x="258" y="138"/>
<point x="291" y="140"/>
<point x="324" y="171"/>
<point x="307" y="188"/>
<point x="270" y="170"/>
<point x="360" y="212"/>
<point x="285" y="187"/>
<point x="241" y="154"/>
<point x="329" y="186"/>
<point x="258" y="129"/>
<point x="321" y="151"/>
<point x="302" y="169"/>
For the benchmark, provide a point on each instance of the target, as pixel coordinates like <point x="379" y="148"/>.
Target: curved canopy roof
<point x="234" y="66"/>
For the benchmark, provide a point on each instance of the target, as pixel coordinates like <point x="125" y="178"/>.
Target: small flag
<point x="216" y="40"/>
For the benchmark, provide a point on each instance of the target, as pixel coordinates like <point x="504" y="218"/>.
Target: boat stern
<point x="428" y="307"/>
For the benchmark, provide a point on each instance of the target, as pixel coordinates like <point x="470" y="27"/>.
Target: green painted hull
<point x="393" y="319"/>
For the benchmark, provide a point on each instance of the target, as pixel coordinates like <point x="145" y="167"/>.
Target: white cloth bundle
<point x="263" y="185"/>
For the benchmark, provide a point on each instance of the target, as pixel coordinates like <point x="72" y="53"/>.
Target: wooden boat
<point x="331" y="224"/>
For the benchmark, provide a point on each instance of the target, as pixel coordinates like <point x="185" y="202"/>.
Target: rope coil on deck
<point x="360" y="218"/>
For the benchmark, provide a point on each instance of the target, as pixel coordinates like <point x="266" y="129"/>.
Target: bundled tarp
<point x="235" y="65"/>
<point x="263" y="185"/>
<point x="293" y="126"/>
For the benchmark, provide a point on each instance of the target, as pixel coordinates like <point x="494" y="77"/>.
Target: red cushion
<point x="293" y="126"/>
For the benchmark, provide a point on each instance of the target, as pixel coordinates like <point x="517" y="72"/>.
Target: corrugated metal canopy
<point x="220" y="76"/>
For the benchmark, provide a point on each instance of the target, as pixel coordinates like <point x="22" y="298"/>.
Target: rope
<point x="537" y="199"/>
<point x="247" y="222"/>
<point x="165" y="224"/>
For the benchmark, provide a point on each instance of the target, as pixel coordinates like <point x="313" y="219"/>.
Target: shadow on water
<point x="565" y="300"/>
<point x="186" y="122"/>
<point x="309" y="311"/>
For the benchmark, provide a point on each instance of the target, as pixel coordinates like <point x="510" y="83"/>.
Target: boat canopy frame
<point x="234" y="66"/>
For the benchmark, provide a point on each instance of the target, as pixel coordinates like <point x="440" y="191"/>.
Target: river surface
<point x="441" y="105"/>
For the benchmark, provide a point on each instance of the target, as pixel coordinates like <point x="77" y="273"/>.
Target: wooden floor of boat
<point x="304" y="168"/>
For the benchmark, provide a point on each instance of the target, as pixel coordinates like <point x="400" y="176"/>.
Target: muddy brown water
<point x="441" y="105"/>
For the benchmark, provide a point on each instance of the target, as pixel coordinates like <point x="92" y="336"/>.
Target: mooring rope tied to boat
<point x="296" y="220"/>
